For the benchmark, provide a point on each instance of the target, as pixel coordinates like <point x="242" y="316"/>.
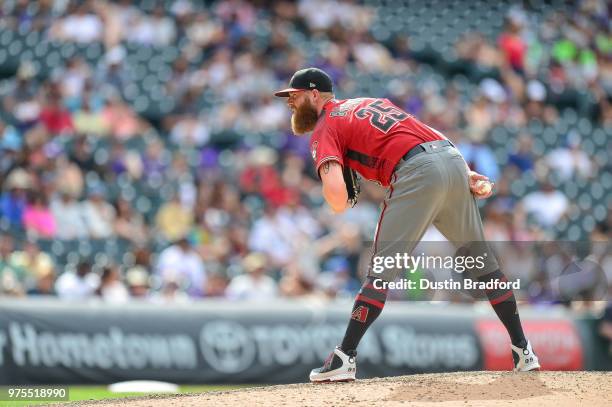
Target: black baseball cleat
<point x="338" y="367"/>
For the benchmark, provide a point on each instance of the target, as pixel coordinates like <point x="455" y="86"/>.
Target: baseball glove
<point x="351" y="179"/>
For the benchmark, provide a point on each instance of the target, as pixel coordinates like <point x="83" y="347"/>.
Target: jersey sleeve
<point x="325" y="146"/>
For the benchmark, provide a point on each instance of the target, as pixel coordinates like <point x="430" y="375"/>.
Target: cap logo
<point x="312" y="85"/>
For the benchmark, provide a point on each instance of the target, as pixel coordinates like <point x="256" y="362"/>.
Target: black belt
<point x="418" y="149"/>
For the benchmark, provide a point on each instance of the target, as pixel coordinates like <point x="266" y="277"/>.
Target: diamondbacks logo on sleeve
<point x="360" y="313"/>
<point x="343" y="109"/>
<point x="313" y="150"/>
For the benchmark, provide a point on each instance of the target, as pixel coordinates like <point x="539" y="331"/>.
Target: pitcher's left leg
<point x="459" y="220"/>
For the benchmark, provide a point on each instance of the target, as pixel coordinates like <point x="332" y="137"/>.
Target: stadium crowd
<point x="215" y="197"/>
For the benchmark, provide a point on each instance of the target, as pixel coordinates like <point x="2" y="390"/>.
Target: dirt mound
<point x="446" y="389"/>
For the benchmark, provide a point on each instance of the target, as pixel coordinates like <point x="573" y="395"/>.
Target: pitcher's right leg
<point x="408" y="210"/>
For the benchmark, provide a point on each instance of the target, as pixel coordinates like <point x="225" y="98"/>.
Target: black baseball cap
<point x="307" y="79"/>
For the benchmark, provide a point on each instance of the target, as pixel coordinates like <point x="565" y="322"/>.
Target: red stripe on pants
<point x="382" y="214"/>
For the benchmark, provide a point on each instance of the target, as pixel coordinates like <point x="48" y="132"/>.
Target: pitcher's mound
<point x="446" y="389"/>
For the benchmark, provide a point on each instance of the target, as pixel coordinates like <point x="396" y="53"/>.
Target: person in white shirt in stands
<point x="254" y="284"/>
<point x="77" y="285"/>
<point x="111" y="288"/>
<point x="571" y="160"/>
<point x="68" y="216"/>
<point x="181" y="264"/>
<point x="99" y="215"/>
<point x="547" y="205"/>
<point x="81" y="26"/>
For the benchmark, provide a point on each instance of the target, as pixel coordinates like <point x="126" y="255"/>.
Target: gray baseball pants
<point x="430" y="187"/>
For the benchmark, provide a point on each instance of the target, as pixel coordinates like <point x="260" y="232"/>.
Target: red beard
<point x="304" y="118"/>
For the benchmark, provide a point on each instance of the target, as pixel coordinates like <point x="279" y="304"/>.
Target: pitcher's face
<point x="305" y="115"/>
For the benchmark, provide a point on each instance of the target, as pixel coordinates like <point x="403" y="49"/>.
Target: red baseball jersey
<point x="369" y="135"/>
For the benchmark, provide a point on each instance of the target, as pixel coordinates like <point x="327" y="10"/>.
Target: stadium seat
<point x="600" y="138"/>
<point x="94" y="53"/>
<point x="6" y="38"/>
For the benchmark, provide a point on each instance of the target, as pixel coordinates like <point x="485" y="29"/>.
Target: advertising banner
<point x="218" y="342"/>
<point x="207" y="343"/>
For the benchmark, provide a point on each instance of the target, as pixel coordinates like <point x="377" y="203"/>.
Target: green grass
<point x="78" y="393"/>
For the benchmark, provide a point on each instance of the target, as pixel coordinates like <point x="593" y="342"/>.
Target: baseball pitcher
<point x="428" y="182"/>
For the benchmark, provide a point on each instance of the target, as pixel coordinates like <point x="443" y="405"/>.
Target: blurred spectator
<point x="294" y="284"/>
<point x="82" y="156"/>
<point x="190" y="132"/>
<point x="371" y="55"/>
<point x="156" y="29"/>
<point x="73" y="77"/>
<point x="13" y="200"/>
<point x="69" y="217"/>
<point x="44" y="284"/>
<point x="128" y="223"/>
<point x="121" y="119"/>
<point x="164" y="30"/>
<point x="344" y="13"/>
<point x="20" y="97"/>
<point x="87" y="121"/>
<point x="344" y="241"/>
<point x="180" y="175"/>
<point x="204" y="31"/>
<point x="126" y="11"/>
<point x="143" y="257"/>
<point x="271" y="237"/>
<point x="81" y="26"/>
<point x="111" y="289"/>
<point x="155" y="160"/>
<point x="512" y="45"/>
<point x="571" y="160"/>
<point x="12" y="275"/>
<point x="38" y="220"/>
<point x="269" y="115"/>
<point x="479" y="156"/>
<point x="10" y="139"/>
<point x="255" y="284"/>
<point x="77" y="284"/>
<point x="34" y="262"/>
<point x="181" y="264"/>
<point x="170" y="293"/>
<point x="98" y="214"/>
<point x="337" y="278"/>
<point x="498" y="224"/>
<point x="547" y="205"/>
<point x="138" y="282"/>
<point x="112" y="73"/>
<point x="216" y="285"/>
<point x="522" y="158"/>
<point x="68" y="177"/>
<point x="179" y="82"/>
<point x="55" y="118"/>
<point x="124" y="161"/>
<point x="30" y="18"/>
<point x="173" y="220"/>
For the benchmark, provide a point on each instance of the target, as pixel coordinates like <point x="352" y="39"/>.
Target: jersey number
<point x="381" y="117"/>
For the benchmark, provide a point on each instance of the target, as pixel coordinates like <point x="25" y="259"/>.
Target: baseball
<point x="483" y="187"/>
